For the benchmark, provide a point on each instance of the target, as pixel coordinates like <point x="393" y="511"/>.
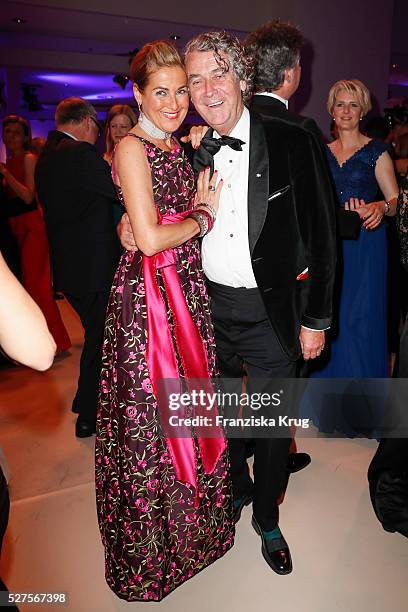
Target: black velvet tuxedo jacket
<point x="348" y="222"/>
<point x="76" y="191"/>
<point x="268" y="108"/>
<point x="291" y="225"/>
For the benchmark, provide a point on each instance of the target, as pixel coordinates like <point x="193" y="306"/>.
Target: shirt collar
<point x="272" y="95"/>
<point x="70" y="135"/>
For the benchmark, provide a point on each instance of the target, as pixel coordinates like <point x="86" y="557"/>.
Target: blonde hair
<point x="353" y="87"/>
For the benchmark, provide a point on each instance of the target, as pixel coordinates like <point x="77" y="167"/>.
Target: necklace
<point x="151" y="129"/>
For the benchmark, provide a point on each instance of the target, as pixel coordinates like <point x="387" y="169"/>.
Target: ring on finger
<point x="211" y="188"/>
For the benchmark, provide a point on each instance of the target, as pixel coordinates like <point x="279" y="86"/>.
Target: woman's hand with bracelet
<point x="206" y="201"/>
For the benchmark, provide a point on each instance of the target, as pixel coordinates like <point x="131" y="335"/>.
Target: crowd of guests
<point x="293" y="256"/>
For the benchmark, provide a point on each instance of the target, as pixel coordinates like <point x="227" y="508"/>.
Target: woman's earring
<point x="139" y="108"/>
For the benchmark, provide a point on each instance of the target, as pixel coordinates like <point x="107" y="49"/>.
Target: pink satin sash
<point x="162" y="362"/>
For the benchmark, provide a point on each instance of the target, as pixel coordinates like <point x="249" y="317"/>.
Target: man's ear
<point x="243" y="86"/>
<point x="288" y="75"/>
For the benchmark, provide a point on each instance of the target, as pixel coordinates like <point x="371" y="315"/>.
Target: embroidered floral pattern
<point x="154" y="536"/>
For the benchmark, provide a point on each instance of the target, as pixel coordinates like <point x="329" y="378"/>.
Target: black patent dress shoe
<point x="84" y="429"/>
<point x="297" y="461"/>
<point x="243" y="501"/>
<point x="390" y="501"/>
<point x="275" y="552"/>
<point x="75" y="404"/>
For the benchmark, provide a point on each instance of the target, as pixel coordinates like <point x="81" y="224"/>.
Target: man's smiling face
<point x="215" y="92"/>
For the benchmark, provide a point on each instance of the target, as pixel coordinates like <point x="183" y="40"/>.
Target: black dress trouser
<point x="4" y="507"/>
<point x="4" y="515"/>
<point x="392" y="453"/>
<point x="91" y="309"/>
<point x="388" y="471"/>
<point x="245" y="338"/>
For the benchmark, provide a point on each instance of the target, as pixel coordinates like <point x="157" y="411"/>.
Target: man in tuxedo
<point x="269" y="259"/>
<point x="77" y="194"/>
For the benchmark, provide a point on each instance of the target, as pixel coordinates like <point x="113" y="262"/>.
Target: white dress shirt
<point x="225" y="250"/>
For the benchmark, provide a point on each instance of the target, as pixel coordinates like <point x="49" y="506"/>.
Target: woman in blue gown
<point x="360" y="168"/>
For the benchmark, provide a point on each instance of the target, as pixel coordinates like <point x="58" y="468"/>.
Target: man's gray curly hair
<point x="241" y="61"/>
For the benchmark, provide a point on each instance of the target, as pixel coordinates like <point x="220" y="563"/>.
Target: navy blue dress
<point x="360" y="349"/>
<point x="357" y="344"/>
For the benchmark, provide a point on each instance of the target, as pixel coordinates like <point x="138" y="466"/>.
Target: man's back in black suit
<point x="267" y="106"/>
<point x="77" y="194"/>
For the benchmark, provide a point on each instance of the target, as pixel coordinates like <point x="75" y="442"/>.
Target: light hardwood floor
<point x="343" y="560"/>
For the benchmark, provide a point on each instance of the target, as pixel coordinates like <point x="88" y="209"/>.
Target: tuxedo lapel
<point x="258" y="180"/>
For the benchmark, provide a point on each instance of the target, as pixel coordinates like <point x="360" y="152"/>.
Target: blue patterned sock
<point x="237" y="502"/>
<point x="272" y="535"/>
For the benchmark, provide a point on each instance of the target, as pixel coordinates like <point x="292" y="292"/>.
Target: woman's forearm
<point x="157" y="238"/>
<point x="24" y="334"/>
<point x="22" y="191"/>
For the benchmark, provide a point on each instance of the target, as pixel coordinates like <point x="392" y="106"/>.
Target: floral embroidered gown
<point x="157" y="530"/>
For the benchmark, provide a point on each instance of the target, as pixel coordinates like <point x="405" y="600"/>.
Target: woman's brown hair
<point x="24" y="124"/>
<point x="152" y="57"/>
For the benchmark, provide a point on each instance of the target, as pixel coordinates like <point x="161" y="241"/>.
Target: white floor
<point x="343" y="560"/>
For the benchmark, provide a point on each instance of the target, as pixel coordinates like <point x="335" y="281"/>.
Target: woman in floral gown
<point x="164" y="503"/>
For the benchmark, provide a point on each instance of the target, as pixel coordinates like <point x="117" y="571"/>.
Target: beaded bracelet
<point x="210" y="208"/>
<point x="204" y="220"/>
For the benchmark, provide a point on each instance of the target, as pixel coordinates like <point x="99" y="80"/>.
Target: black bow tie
<point x="213" y="145"/>
<point x="204" y="156"/>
